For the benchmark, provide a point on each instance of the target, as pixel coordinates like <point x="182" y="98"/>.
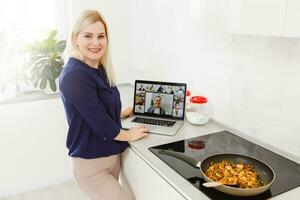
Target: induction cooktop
<point x="287" y="171"/>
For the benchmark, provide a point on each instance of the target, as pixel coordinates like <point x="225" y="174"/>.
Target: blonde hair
<point x="86" y="18"/>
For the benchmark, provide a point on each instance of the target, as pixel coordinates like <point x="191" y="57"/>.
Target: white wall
<point x="32" y="146"/>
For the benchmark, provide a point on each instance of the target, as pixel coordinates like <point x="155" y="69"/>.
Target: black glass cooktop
<point x="287" y="172"/>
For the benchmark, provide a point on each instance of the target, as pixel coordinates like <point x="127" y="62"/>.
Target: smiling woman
<point x="93" y="109"/>
<point x="22" y="23"/>
<point x="92" y="43"/>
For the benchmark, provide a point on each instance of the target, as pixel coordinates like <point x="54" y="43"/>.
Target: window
<point x="23" y="23"/>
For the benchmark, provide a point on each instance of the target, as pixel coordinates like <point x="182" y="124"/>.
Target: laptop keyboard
<point x="154" y="121"/>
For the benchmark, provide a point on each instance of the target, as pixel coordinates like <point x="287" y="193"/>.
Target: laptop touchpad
<point x="151" y="128"/>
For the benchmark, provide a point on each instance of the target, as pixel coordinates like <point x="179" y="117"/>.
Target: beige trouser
<point x="98" y="177"/>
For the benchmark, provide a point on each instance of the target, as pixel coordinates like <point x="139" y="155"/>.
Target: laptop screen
<point x="161" y="99"/>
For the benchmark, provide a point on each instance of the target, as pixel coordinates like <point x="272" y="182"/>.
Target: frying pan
<point x="265" y="172"/>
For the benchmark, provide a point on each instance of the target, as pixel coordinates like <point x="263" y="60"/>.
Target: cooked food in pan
<point x="239" y="175"/>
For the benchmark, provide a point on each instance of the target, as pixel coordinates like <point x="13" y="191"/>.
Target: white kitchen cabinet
<point x="208" y="15"/>
<point x="257" y="17"/>
<point x="293" y="19"/>
<point x="249" y="17"/>
<point x="143" y="181"/>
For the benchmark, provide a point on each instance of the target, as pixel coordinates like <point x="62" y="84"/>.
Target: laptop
<point x="159" y="106"/>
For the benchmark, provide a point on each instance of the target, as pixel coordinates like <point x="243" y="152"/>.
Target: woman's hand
<point x="138" y="132"/>
<point x="133" y="134"/>
<point x="126" y="112"/>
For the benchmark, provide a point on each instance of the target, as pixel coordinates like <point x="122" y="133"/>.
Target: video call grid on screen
<point x="160" y="99"/>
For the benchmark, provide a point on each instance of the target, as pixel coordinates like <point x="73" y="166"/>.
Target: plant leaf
<point x="60" y="46"/>
<point x="36" y="82"/>
<point x="52" y="84"/>
<point x="43" y="83"/>
<point x="52" y="34"/>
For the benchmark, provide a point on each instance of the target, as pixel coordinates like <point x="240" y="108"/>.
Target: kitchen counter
<point x="182" y="186"/>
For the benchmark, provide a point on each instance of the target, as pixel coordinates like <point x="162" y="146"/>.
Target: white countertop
<point x="186" y="131"/>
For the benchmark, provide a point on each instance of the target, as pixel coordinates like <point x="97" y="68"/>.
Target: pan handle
<point x="181" y="156"/>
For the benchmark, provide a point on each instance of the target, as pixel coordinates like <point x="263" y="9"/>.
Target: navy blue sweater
<point x="93" y="111"/>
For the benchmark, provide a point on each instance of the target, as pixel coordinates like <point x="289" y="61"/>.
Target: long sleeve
<point x="80" y="90"/>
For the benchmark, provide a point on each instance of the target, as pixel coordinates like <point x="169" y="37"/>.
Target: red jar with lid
<point x="198" y="113"/>
<point x="199" y="104"/>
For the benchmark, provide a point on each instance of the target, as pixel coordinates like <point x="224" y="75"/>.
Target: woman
<point x="176" y="109"/>
<point x="93" y="108"/>
<point x="156" y="108"/>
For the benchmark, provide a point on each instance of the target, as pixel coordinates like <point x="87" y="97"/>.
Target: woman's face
<point x="157" y="102"/>
<point x="92" y="43"/>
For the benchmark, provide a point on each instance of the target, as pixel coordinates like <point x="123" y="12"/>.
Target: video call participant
<point x="176" y="110"/>
<point x="156" y="108"/>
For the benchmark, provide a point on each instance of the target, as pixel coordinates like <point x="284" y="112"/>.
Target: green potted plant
<point x="45" y="61"/>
